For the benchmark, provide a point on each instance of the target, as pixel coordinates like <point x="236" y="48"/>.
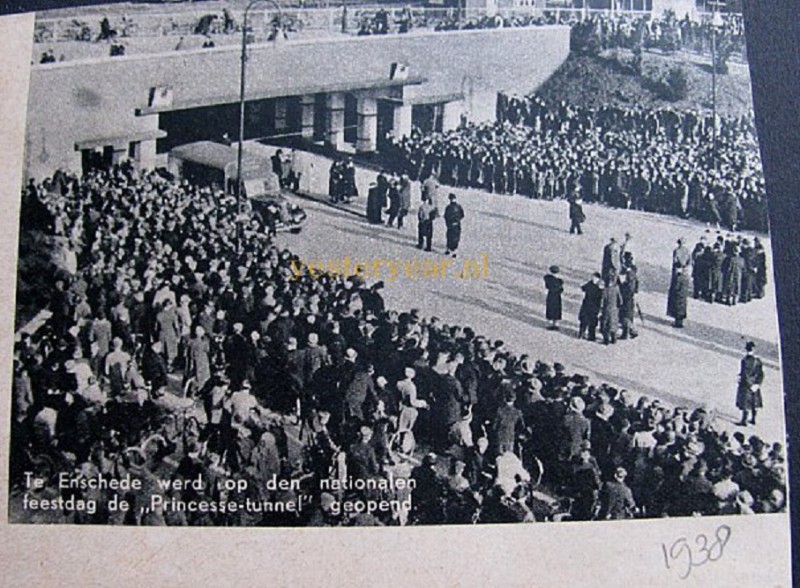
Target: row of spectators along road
<point x="601" y="31"/>
<point x="170" y="355"/>
<point x="663" y="160"/>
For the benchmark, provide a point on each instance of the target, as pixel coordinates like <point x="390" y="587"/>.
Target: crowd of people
<point x="667" y="33"/>
<point x="342" y="181"/>
<point x="728" y="270"/>
<point x="659" y="160"/>
<point x="172" y="353"/>
<point x="599" y="30"/>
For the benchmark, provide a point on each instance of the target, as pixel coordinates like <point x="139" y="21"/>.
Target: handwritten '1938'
<point x="684" y="555"/>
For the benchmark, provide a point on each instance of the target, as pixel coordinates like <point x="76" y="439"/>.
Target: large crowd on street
<point x="667" y="32"/>
<point x="182" y="343"/>
<point x="659" y="160"/>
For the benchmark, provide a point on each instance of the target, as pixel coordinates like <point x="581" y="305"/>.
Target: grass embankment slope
<point x="608" y="79"/>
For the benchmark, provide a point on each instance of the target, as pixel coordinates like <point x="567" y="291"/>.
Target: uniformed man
<point x="453" y="216"/>
<point x="748" y="394"/>
<point x="677" y="301"/>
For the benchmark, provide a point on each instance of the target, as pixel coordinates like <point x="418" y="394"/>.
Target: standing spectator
<point x="576" y="214"/>
<point x="616" y="498"/>
<point x="425" y="224"/>
<point x="590" y="307"/>
<point x="677" y="301"/>
<point x="453" y="215"/>
<point x="395" y="205"/>
<point x="748" y="394"/>
<point x="404" y="188"/>
<point x="554" y="286"/>
<point x="628" y="288"/>
<point x="611" y="261"/>
<point x="375" y="204"/>
<point x="609" y="312"/>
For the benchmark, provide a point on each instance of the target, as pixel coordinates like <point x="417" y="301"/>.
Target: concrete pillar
<point x="401" y="126"/>
<point x="451" y="115"/>
<point x="120" y="154"/>
<point x="367" y="120"/>
<point x="146" y="156"/>
<point x="334" y="120"/>
<point x="307" y="109"/>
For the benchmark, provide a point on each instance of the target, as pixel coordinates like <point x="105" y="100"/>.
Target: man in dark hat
<point x="590" y="307"/>
<point x="453" y="216"/>
<point x="751" y="375"/>
<point x="576" y="214"/>
<point x="616" y="498"/>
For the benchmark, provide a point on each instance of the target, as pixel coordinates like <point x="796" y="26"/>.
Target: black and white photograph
<point x="295" y="263"/>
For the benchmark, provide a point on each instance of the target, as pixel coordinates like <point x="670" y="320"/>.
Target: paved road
<point x="521" y="238"/>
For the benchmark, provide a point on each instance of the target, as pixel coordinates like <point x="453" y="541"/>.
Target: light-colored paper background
<point x="626" y="553"/>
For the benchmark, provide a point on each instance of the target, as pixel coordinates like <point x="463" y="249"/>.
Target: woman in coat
<point x="554" y="286"/>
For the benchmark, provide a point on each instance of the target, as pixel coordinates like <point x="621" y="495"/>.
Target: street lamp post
<point x="242" y="89"/>
<point x="716" y="21"/>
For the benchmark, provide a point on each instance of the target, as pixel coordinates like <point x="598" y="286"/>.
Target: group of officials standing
<point x="392" y="194"/>
<point x="609" y="297"/>
<point x="728" y="271"/>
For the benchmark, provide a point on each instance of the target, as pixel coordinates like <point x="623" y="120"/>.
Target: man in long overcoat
<point x="679" y="287"/>
<point x="748" y="394"/>
<point x="590" y="307"/>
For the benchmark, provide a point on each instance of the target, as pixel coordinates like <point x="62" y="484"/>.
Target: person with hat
<point x="375" y="204"/>
<point x="395" y="210"/>
<point x="349" y="188"/>
<point x="628" y="288"/>
<point x="507" y="425"/>
<point x="404" y="191"/>
<point x="237" y="354"/>
<point x="590" y="307"/>
<point x="616" y="498"/>
<point x="576" y="428"/>
<point x="453" y="215"/>
<point x="611" y="261"/>
<point x="610" y="302"/>
<point x="362" y="463"/>
<point x="748" y="394"/>
<point x="554" y="286"/>
<point x="677" y="301"/>
<point x="430" y="189"/>
<point x="428" y="493"/>
<point x="576" y="214"/>
<point x="585" y="483"/>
